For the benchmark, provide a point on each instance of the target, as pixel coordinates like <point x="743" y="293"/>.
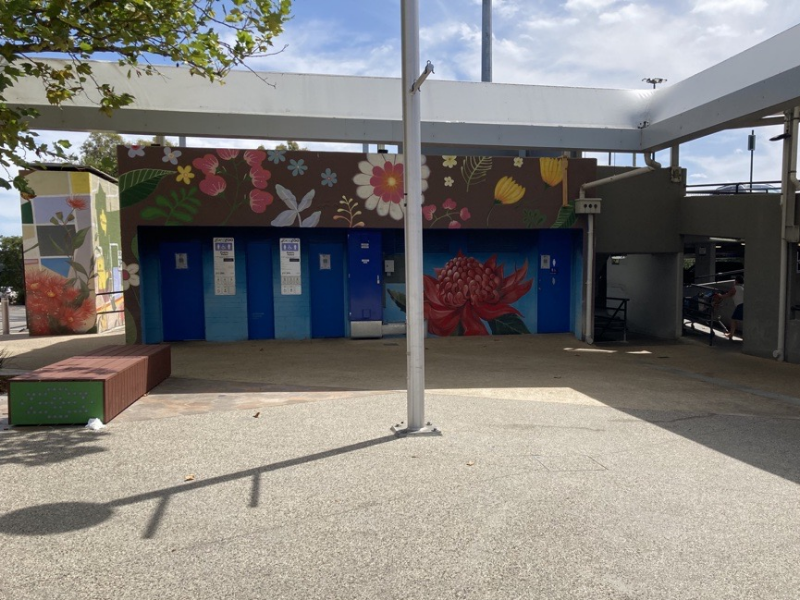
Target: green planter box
<point x="55" y="402"/>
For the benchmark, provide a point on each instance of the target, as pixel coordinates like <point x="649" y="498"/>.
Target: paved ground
<point x="565" y="471"/>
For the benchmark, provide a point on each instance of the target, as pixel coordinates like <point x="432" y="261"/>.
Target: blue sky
<point x="586" y="43"/>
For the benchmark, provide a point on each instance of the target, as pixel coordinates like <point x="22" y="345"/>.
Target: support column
<point x="412" y="146"/>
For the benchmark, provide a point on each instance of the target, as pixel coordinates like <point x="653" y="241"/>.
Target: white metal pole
<point x="412" y="150"/>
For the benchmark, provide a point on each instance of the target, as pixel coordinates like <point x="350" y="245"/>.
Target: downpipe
<point x="652" y="165"/>
<point x="789" y="183"/>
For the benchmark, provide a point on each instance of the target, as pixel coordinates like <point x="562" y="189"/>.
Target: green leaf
<point x="135" y="186"/>
<point x="131" y="333"/>
<point x="162" y="201"/>
<point x="78" y="241"/>
<point x="532" y="218"/>
<point x="135" y="247"/>
<point x="508" y="325"/>
<point x="566" y="218"/>
<point x="182" y="217"/>
<point x="151" y="213"/>
<point x="79" y="268"/>
<point x="399" y="299"/>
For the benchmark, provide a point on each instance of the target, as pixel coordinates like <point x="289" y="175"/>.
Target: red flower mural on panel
<point x="466" y="292"/>
<point x="54" y="306"/>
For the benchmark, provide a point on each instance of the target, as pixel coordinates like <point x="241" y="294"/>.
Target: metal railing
<point x="612" y="317"/>
<point x="733" y="188"/>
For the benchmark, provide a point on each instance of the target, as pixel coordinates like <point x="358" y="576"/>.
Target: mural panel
<point x="65" y="253"/>
<point x="162" y="186"/>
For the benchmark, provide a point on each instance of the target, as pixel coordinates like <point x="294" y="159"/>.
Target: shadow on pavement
<point x="40" y="446"/>
<point x="62" y="517"/>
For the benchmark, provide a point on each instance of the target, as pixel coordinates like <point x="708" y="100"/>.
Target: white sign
<point x="224" y="267"/>
<point x="290" y="267"/>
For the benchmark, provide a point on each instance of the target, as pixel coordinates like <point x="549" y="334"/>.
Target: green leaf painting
<point x="175" y="209"/>
<point x="508" y="324"/>
<point x="136" y="186"/>
<point x="566" y="218"/>
<point x="532" y="218"/>
<point x="399" y="299"/>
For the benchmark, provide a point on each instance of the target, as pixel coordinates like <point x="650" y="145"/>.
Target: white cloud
<point x="588" y="5"/>
<point x="716" y="7"/>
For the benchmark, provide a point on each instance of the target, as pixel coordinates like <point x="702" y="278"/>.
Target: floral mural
<point x="470" y="297"/>
<point x="466" y="295"/>
<point x="71" y="245"/>
<point x="169" y="187"/>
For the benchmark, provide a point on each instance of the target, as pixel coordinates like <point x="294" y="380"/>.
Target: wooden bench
<point x="97" y="384"/>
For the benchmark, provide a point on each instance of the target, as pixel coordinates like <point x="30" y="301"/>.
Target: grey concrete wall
<point x="650" y="281"/>
<point x="756" y="219"/>
<point x="640" y="215"/>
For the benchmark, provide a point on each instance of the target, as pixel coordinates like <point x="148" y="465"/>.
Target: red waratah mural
<point x="466" y="292"/>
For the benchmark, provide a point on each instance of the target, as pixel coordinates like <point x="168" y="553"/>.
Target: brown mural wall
<point x="162" y="186"/>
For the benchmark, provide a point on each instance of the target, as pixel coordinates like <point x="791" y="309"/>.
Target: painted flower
<point x="464" y="214"/>
<point x="448" y="181"/>
<point x="227" y="153"/>
<point x="466" y="292"/>
<point x="213" y="185"/>
<point x="259" y="177"/>
<point x="54" y="306"/>
<point x="276" y="156"/>
<point x="208" y="164"/>
<point x="259" y="200"/>
<point x="77" y="203"/>
<point x="380" y="184"/>
<point x="134" y="150"/>
<point x="508" y="191"/>
<point x="449" y="204"/>
<point x="328" y="177"/>
<point x="552" y="170"/>
<point x="130" y="275"/>
<point x="454" y="225"/>
<point x="287" y="217"/>
<point x="297" y="167"/>
<point x="254" y="158"/>
<point x="427" y="211"/>
<point x="185" y="174"/>
<point x="518" y="161"/>
<point x="449" y="161"/>
<point x="103" y="221"/>
<point x="171" y="155"/>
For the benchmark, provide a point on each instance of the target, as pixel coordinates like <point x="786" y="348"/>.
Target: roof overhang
<point x="738" y="92"/>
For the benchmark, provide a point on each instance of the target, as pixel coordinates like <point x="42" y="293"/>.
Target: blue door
<point x="555" y="280"/>
<point x="182" y="311"/>
<point x="260" y="301"/>
<point x="365" y="266"/>
<point x="326" y="266"/>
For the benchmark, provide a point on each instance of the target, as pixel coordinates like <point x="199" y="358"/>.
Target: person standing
<point x="737" y="293"/>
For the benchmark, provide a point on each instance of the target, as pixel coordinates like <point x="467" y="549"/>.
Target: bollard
<point x="6" y="325"/>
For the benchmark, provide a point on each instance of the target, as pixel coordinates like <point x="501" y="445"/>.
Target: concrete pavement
<point x="564" y="471"/>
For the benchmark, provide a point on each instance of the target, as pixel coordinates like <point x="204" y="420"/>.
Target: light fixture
<point x="722" y="239"/>
<point x="654" y="80"/>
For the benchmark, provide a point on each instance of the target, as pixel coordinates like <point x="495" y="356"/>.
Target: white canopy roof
<point x="738" y="92"/>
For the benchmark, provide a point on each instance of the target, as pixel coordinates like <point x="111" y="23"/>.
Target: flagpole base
<point x="400" y="430"/>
